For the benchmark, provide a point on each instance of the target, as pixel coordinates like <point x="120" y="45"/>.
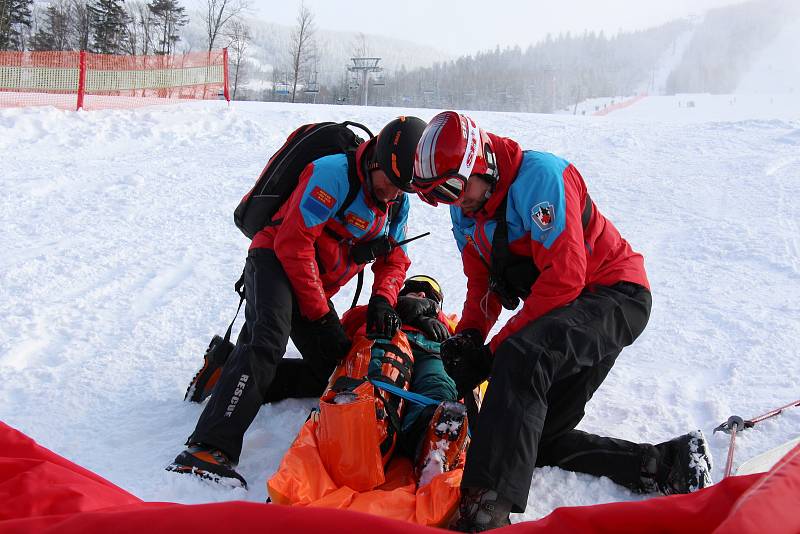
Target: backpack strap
<point x="501" y="252"/>
<point x="239" y="287"/>
<point x="501" y="258"/>
<point x="352" y="193"/>
<point x="355" y="183"/>
<point x="359" y="287"/>
<point x="359" y="126"/>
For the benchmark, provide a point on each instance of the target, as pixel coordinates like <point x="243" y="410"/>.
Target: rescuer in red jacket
<point x="530" y="234"/>
<point x="293" y="268"/>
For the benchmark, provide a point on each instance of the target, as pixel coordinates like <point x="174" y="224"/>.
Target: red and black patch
<point x="323" y="196"/>
<point x="355" y="220"/>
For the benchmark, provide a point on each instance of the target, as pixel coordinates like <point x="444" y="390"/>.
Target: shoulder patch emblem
<point x="324" y="197"/>
<point x="543" y="214"/>
<point x="355" y="220"/>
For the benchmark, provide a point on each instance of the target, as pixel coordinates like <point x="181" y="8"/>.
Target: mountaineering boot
<point x="480" y="510"/>
<point x="444" y="442"/>
<point x="206" y="378"/>
<point x="207" y="463"/>
<point x="683" y="465"/>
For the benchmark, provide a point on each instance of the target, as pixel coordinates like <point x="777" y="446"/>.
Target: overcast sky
<point x="467" y="26"/>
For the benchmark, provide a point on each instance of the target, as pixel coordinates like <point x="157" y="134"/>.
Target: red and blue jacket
<point x="313" y="243"/>
<point x="546" y="199"/>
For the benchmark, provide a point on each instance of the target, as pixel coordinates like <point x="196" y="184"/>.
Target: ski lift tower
<point x="364" y="66"/>
<point x="312" y="87"/>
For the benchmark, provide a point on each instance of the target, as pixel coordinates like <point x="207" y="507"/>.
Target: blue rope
<point x="408" y="395"/>
<point x="416" y="398"/>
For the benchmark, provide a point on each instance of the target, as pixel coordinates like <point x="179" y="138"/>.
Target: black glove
<point x="469" y="339"/>
<point x="433" y="328"/>
<point x="412" y="308"/>
<point x="422" y="313"/>
<point x="381" y="318"/>
<point x="467" y="360"/>
<point x="330" y="335"/>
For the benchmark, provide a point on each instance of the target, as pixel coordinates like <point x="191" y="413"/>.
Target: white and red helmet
<point x="452" y="148"/>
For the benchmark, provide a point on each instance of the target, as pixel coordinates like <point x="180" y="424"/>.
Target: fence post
<point x="81" y="79"/>
<point x="225" y="73"/>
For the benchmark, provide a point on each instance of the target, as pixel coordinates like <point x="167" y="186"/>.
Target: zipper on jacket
<point x="478" y="250"/>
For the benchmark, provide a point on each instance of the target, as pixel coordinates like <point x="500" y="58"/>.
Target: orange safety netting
<point x="74" y="80"/>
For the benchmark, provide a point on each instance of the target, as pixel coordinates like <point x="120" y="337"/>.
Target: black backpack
<point x="282" y="173"/>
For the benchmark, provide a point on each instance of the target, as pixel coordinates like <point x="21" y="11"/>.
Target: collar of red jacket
<point x="509" y="158"/>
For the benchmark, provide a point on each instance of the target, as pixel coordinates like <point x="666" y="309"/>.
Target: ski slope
<point x="120" y="253"/>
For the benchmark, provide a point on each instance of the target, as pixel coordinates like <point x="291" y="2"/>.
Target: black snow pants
<point x="542" y="377"/>
<point x="256" y="371"/>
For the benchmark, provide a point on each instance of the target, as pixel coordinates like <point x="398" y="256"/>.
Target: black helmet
<point x="395" y="147"/>
<point x="422" y="283"/>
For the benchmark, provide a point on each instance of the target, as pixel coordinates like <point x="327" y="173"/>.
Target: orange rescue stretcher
<point x="342" y="456"/>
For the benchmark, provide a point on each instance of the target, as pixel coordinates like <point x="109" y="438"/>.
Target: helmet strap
<point x="492" y="173"/>
<point x="371" y="189"/>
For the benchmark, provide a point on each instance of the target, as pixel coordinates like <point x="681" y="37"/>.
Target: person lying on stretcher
<point x="433" y="436"/>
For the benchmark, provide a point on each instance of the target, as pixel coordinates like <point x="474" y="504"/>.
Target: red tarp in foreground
<point x="42" y="492"/>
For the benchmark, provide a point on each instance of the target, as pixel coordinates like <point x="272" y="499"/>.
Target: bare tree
<point x="82" y="24"/>
<point x="217" y="15"/>
<point x="360" y="46"/>
<point x="140" y="27"/>
<point x="301" y="46"/>
<point x="238" y="33"/>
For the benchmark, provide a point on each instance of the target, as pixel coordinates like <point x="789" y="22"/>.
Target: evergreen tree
<point x="108" y="21"/>
<point x="169" y="16"/>
<point x="15" y="18"/>
<point x="55" y="31"/>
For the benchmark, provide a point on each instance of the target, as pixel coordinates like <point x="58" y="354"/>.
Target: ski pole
<point x="772" y="413"/>
<point x="736" y="424"/>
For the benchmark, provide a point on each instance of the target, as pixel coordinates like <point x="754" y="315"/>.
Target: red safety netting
<point x="619" y="105"/>
<point x="75" y="80"/>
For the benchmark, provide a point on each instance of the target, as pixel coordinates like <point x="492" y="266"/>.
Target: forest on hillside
<point x="308" y="64"/>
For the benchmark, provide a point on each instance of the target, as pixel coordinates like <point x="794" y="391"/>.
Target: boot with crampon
<point x="444" y="442"/>
<point x="207" y="463"/>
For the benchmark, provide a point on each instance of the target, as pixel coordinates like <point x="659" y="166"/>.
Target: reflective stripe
<point x="427" y="163"/>
<point x="467" y="162"/>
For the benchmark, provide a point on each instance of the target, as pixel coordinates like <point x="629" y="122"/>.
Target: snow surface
<point x="120" y="253"/>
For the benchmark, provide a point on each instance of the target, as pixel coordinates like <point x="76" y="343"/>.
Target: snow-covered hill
<point x="119" y="256"/>
<point x="269" y="48"/>
<point x="776" y="70"/>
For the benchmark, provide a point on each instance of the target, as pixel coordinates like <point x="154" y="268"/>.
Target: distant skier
<point x="293" y="268"/>
<point x="529" y="232"/>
